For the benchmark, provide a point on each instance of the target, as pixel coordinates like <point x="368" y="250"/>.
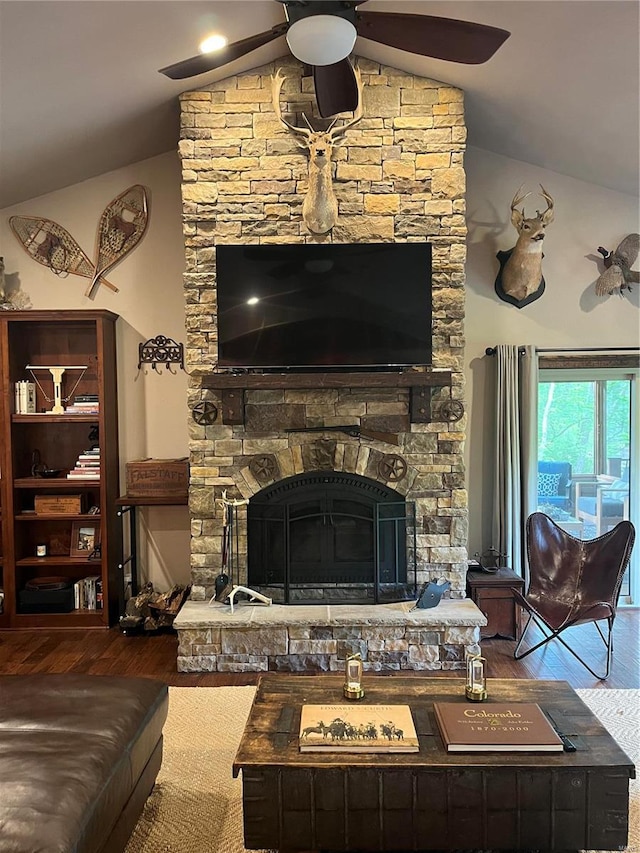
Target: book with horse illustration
<point x="357" y="728"/>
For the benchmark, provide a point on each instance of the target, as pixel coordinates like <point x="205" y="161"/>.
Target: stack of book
<point x="84" y="404"/>
<point x="25" y="398"/>
<point x="87" y="466"/>
<point x="87" y="593"/>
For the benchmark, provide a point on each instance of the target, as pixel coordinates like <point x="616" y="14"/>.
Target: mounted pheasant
<point x="618" y="274"/>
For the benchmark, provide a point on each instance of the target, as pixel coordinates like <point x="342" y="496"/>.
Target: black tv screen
<point x="323" y="306"/>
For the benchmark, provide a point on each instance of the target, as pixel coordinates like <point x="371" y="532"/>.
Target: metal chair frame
<point x="555" y="635"/>
<point x="580" y="614"/>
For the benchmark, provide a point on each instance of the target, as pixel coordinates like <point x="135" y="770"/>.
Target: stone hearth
<point x="297" y="638"/>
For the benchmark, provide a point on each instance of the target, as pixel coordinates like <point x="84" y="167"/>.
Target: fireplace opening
<point x="328" y="537"/>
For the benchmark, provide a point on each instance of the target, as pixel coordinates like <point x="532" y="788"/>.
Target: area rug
<point x="196" y="805"/>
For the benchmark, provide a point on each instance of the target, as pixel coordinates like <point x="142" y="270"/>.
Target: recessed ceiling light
<point x="253" y="300"/>
<point x="212" y="43"/>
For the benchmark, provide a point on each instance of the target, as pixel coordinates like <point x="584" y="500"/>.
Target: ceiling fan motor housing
<point x="296" y="10"/>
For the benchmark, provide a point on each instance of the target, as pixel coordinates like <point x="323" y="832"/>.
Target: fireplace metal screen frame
<point x="392" y="570"/>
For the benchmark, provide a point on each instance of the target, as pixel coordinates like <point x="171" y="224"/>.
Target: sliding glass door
<point x="588" y="451"/>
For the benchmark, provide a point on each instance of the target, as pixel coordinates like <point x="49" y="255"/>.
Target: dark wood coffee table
<point x="429" y="800"/>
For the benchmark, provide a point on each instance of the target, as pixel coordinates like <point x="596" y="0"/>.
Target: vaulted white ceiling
<point x="80" y="92"/>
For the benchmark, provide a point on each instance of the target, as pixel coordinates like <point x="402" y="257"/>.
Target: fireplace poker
<point x="223" y="582"/>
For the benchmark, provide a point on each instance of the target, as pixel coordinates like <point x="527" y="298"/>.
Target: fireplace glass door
<point x="330" y="538"/>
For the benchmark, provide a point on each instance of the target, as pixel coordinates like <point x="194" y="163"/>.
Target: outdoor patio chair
<point x="554" y="479"/>
<point x="573" y="582"/>
<point x="603" y="503"/>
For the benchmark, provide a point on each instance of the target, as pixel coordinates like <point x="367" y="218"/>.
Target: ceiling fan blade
<point x="441" y="38"/>
<point x="208" y="61"/>
<point x="336" y="88"/>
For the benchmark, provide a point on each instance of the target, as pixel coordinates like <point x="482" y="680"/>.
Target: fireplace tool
<point x="224" y="583"/>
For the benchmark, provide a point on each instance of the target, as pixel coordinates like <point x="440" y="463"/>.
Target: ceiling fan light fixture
<point x="213" y="43"/>
<point x="321" y="39"/>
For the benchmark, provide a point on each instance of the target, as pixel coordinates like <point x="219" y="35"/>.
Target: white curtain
<point x="515" y="489"/>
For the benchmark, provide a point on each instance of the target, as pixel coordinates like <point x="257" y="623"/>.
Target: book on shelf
<point x="83" y="474"/>
<point x="87" y="593"/>
<point x="357" y="728"/>
<point x="495" y="727"/>
<point x="25" y="398"/>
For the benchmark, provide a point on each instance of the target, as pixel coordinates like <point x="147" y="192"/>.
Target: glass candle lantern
<point x="352" y="688"/>
<point x="476" y="687"/>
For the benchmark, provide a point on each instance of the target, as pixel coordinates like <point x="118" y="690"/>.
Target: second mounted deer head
<point x="520" y="280"/>
<point x="320" y="206"/>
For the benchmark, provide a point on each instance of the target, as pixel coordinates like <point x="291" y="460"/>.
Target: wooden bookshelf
<point x="79" y="337"/>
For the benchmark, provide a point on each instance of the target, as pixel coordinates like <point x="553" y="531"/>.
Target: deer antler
<point x="277" y="80"/>
<point x="518" y="215"/>
<point x="336" y="134"/>
<point x="547" y="215"/>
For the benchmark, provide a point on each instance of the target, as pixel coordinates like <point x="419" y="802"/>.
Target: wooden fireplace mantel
<point x="233" y="385"/>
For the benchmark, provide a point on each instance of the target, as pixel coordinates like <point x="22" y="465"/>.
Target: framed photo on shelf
<point x="84" y="538"/>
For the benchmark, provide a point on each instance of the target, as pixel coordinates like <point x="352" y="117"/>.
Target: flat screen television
<point x="311" y="306"/>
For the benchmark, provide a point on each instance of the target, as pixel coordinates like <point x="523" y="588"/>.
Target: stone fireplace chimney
<point x="398" y="177"/>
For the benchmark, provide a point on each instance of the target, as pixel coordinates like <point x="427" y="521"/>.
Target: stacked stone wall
<point x="398" y="177"/>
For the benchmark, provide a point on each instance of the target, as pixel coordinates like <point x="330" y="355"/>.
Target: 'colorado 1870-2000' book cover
<point x="495" y="727"/>
<point x="357" y="728"/>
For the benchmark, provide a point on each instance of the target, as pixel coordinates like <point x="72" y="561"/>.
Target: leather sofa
<point x="79" y="755"/>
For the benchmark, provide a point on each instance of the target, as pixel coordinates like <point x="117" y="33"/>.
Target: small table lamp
<point x="352" y="688"/>
<point x="476" y="686"/>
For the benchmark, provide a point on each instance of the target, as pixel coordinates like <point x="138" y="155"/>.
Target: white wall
<point x="567" y="315"/>
<point x="153" y="413"/>
<point x="152" y="406"/>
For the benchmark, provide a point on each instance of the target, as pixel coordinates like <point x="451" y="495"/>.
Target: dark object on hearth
<point x="321" y="33"/>
<point x="151" y="611"/>
<point x="431" y="594"/>
<point x="161" y="350"/>
<point x="573" y="582"/>
<point x="221" y="585"/>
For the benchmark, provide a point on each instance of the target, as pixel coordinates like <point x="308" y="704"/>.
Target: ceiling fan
<point x="321" y="33"/>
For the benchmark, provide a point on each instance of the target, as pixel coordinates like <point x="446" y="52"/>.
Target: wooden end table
<point x="430" y="800"/>
<point x="491" y="591"/>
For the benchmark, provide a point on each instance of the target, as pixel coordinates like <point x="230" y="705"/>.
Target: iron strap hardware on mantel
<point x="233" y="385"/>
<point x="353" y="430"/>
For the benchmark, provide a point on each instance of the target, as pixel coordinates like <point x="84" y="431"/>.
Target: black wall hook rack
<point x="161" y="350"/>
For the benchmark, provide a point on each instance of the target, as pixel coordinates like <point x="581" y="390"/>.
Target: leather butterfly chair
<point x="573" y="582"/>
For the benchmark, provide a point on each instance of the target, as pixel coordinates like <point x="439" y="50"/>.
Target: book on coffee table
<point x="357" y="728"/>
<point x="495" y="727"/>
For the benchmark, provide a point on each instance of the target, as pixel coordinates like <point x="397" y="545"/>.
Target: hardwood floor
<point x="112" y="653"/>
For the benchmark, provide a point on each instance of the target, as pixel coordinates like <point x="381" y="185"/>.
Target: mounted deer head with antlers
<point x="320" y="206"/>
<point x="520" y="280"/>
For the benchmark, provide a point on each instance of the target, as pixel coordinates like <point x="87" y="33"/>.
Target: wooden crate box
<point x="158" y="477"/>
<point x="59" y="504"/>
